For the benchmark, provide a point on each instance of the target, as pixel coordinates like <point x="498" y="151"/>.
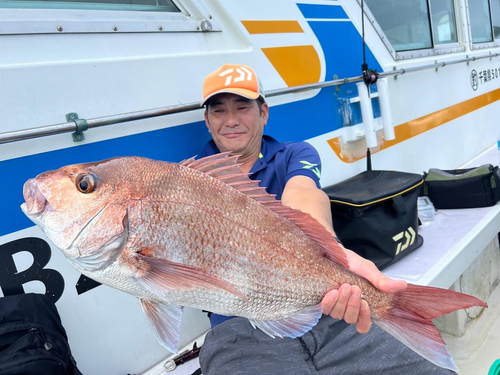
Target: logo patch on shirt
<point x="312" y="167"/>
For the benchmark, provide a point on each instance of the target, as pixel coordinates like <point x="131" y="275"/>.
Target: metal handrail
<point x="71" y="126"/>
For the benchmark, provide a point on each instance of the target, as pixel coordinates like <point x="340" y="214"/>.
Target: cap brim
<point x="249" y="94"/>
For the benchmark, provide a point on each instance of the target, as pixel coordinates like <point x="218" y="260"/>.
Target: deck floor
<point x="474" y="354"/>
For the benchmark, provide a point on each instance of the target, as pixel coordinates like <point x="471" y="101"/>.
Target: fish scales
<point x="244" y="236"/>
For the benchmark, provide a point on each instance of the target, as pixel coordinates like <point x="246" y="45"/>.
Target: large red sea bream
<point x="202" y="234"/>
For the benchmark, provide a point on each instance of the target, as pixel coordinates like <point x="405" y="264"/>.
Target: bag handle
<point x="495" y="183"/>
<point x="399" y="204"/>
<point x="424" y="190"/>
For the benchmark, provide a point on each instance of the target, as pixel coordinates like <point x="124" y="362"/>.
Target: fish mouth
<point x="35" y="201"/>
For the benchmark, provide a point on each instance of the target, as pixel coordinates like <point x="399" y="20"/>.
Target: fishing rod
<point x="369" y="76"/>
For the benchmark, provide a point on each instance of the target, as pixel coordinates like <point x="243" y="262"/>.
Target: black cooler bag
<point x="463" y="188"/>
<point x="375" y="214"/>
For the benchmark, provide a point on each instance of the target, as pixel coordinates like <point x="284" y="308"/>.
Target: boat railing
<point x="77" y="126"/>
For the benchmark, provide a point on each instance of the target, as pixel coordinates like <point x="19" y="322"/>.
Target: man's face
<point x="236" y="123"/>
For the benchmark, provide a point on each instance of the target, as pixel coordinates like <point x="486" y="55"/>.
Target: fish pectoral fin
<point x="166" y="321"/>
<point x="293" y="326"/>
<point x="163" y="275"/>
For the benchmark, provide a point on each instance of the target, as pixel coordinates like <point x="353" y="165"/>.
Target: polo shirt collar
<point x="210" y="149"/>
<point x="268" y="150"/>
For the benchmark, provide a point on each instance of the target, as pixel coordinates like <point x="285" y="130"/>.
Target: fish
<point x="201" y="233"/>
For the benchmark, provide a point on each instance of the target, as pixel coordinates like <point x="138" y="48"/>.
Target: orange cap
<point x="234" y="79"/>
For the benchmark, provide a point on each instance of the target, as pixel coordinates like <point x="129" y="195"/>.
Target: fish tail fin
<point x="409" y="320"/>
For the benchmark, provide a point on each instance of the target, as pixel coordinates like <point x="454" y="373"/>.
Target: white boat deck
<point x="452" y="241"/>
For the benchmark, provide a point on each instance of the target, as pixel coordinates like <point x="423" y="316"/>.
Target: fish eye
<point x="85" y="183"/>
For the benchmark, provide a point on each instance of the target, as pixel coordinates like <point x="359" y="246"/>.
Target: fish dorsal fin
<point x="187" y="161"/>
<point x="225" y="168"/>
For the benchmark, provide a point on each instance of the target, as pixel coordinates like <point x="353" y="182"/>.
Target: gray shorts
<point x="234" y="347"/>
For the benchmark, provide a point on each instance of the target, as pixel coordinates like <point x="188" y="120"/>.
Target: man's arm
<point x="301" y="193"/>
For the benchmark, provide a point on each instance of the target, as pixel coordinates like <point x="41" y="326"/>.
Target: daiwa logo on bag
<point x="409" y="238"/>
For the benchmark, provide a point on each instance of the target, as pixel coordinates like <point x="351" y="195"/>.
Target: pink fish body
<point x="201" y="234"/>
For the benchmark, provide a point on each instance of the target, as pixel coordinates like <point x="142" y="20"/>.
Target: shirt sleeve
<point x="303" y="160"/>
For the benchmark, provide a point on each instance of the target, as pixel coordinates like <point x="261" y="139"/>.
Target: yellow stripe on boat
<point x="422" y="124"/>
<point x="297" y="65"/>
<point x="272" y="27"/>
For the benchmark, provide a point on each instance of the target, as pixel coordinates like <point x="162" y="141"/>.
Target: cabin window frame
<point x="481" y="45"/>
<point x="437" y="49"/>
<point x="193" y="17"/>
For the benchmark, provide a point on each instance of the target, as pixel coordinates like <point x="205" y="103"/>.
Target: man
<point x="236" y="113"/>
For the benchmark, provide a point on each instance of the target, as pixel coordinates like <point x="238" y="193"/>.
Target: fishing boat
<point x="416" y="83"/>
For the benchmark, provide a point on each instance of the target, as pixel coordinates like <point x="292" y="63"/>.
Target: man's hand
<point x="346" y="303"/>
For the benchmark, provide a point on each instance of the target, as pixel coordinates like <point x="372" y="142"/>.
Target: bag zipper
<point x="42" y="338"/>
<point x="47" y="345"/>
<point x="38" y="333"/>
<point x="378" y="200"/>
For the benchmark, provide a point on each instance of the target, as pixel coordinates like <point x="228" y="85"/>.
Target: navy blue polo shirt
<point x="277" y="163"/>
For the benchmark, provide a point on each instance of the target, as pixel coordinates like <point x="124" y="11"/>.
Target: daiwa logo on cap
<point x="234" y="79"/>
<point x="244" y="74"/>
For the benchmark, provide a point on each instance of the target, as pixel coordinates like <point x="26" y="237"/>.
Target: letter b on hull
<point x="11" y="280"/>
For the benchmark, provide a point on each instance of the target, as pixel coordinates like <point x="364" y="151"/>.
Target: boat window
<point x="18" y="17"/>
<point x="480" y="21"/>
<point x="405" y="23"/>
<point x="495" y="13"/>
<point x="129" y="5"/>
<point x="444" y="27"/>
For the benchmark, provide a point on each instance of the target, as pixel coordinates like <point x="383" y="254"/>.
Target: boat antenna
<point x="369" y="76"/>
